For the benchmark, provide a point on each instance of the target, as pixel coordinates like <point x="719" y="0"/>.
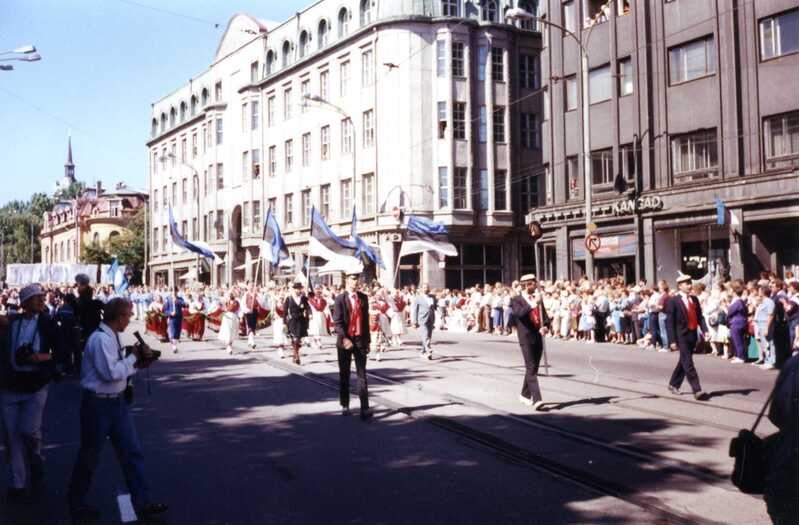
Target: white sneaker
<point x="538" y="406"/>
<point x="736" y="361"/>
<point x="230" y="350"/>
<point x="663" y="350"/>
<point x="767" y="366"/>
<point x="525" y="401"/>
<point x="377" y="356"/>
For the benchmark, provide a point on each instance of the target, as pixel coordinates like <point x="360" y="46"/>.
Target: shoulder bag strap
<point x="768" y="402"/>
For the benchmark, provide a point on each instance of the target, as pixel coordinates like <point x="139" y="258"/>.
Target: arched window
<point x="322" y="34"/>
<point x="270" y="62"/>
<point x="286" y="54"/>
<point x="305" y="44"/>
<point x="449" y="7"/>
<point x="172" y="117"/>
<point x="183" y="111"/>
<point x="204" y="97"/>
<point x="61" y="251"/>
<point x="489" y="11"/>
<point x="193" y="105"/>
<point x="343" y="22"/>
<point x="96" y="239"/>
<point x="366" y="12"/>
<point x="154" y="127"/>
<point x="113" y="234"/>
<point x="47" y="254"/>
<point x="163" y="122"/>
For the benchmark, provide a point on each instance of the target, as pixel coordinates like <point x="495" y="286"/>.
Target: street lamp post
<point x="518" y="13"/>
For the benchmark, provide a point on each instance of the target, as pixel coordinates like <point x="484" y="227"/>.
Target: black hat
<point x="297" y="285"/>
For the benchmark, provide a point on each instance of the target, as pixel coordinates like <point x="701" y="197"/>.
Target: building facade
<point x="355" y="103"/>
<point x="691" y="107"/>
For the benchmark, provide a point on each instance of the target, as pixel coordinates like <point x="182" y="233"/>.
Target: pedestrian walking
<point x="173" y="309"/>
<point x="229" y="326"/>
<point x="317" y="327"/>
<point x="684" y="317"/>
<point x="251" y="315"/>
<point x="351" y="322"/>
<point x="297" y="313"/>
<point x="423" y="314"/>
<point x="531" y="320"/>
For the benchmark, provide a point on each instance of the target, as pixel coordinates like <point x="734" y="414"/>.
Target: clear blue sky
<point x="103" y="63"/>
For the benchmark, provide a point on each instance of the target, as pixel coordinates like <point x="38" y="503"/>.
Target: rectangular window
<point x="441" y="58"/>
<point x="174" y="194"/>
<point x="346" y="136"/>
<point x="324" y="201"/>
<point x="245" y="165"/>
<point x="256" y="216"/>
<point x="306" y="150"/>
<point x="572" y="177"/>
<point x="324" y="85"/>
<point x="498" y="118"/>
<point x="483" y="189"/>
<point x="272" y="161"/>
<point x="346" y="198"/>
<point x="220" y="177"/>
<point x="272" y="205"/>
<point x="529" y="130"/>
<point x="219" y="130"/>
<point x="270" y="112"/>
<point x="529" y="69"/>
<point x="288" y="209"/>
<point x="219" y="224"/>
<point x="255" y="114"/>
<point x="173" y="154"/>
<point x="368" y="128"/>
<point x="449" y="7"/>
<point x="324" y="142"/>
<point x="305" y="197"/>
<point x="155" y="200"/>
<point x="206" y="222"/>
<point x="256" y="164"/>
<point x="206" y="137"/>
<point x="627" y="162"/>
<point x="218" y="91"/>
<point x="459" y="185"/>
<point x="692" y="60"/>
<point x="184" y="229"/>
<point x="155" y="239"/>
<point x="571" y="93"/>
<point x="194" y="145"/>
<point x="459" y="120"/>
<point x="779" y="35"/>
<point x="344" y="78"/>
<point x="625" y="77"/>
<point x="602" y="167"/>
<point x="498" y="64"/>
<point x="254" y="72"/>
<point x="500" y="190"/>
<point x="528" y="193"/>
<point x="599" y="84"/>
<point x="482" y="59"/>
<point x="781" y="138"/>
<point x="184" y="190"/>
<point x="289" y="155"/>
<point x="546" y="105"/>
<point x="305" y="90"/>
<point x="367" y="63"/>
<point x="206" y="182"/>
<point x="245" y="216"/>
<point x="287" y="104"/>
<point x="569" y="16"/>
<point x="244" y="117"/>
<point x="368" y="204"/>
<point x="164" y="238"/>
<point x="443" y="187"/>
<point x="442" y="120"/>
<point x="457" y="59"/>
<point x="166" y="198"/>
<point x="694" y="156"/>
<point x="183" y="150"/>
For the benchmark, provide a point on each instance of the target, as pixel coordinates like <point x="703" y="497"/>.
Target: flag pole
<point x="397" y="265"/>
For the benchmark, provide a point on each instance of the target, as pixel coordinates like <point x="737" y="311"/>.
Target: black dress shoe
<point x="673" y="390"/>
<point x="85" y="512"/>
<point x="366" y="415"/>
<point x="701" y="396"/>
<point x="151" y="510"/>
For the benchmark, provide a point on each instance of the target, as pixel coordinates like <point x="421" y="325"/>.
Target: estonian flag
<point x="183" y="243"/>
<point x="117" y="277"/>
<point x="272" y="236"/>
<point x="424" y="235"/>
<point x="330" y="247"/>
<point x="361" y="248"/>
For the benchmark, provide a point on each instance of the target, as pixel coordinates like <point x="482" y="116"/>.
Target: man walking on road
<point x="423" y="313"/>
<point x="684" y="316"/>
<point x="531" y="321"/>
<point x="351" y="322"/>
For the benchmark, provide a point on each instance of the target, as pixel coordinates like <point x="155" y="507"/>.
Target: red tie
<point x="354" y="328"/>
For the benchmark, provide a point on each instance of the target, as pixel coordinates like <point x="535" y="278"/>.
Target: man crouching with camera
<point x="105" y="412"/>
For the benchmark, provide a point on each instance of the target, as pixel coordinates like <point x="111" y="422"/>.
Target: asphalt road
<point x="250" y="439"/>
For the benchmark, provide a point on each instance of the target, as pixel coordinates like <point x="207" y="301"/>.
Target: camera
<point x="154" y="354"/>
<point x="24" y="353"/>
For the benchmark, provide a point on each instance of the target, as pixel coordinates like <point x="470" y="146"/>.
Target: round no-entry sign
<point x="592" y="243"/>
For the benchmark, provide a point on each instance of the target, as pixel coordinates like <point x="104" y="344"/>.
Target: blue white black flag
<point x="330" y="247"/>
<point x="423" y="235"/>
<point x="273" y="237"/>
<point x="361" y="247"/>
<point x="178" y="240"/>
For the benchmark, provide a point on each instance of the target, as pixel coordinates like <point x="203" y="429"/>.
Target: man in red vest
<point x="531" y="326"/>
<point x="351" y="322"/>
<point x="684" y="318"/>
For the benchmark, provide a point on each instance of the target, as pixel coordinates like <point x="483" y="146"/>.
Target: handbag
<point x="751" y="452"/>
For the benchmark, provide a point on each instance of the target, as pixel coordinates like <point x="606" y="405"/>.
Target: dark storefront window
<point x="475" y="264"/>
<point x="700" y="257"/>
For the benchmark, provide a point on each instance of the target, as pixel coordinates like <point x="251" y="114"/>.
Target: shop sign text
<point x="630" y="206"/>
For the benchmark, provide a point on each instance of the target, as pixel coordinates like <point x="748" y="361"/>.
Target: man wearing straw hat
<point x="684" y="318"/>
<point x="531" y="322"/>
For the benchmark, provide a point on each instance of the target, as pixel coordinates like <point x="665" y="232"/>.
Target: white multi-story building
<point x="437" y="99"/>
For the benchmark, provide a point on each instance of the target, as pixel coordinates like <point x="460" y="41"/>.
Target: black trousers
<point x="345" y="358"/>
<point x="251" y="319"/>
<point x="532" y="353"/>
<point x="685" y="368"/>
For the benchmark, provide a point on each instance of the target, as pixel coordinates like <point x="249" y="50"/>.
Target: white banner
<point x="23" y="274"/>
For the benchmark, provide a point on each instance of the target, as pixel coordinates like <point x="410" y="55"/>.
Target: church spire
<point x="69" y="167"/>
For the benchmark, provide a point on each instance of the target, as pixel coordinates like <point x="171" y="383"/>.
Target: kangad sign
<point x="630" y="206"/>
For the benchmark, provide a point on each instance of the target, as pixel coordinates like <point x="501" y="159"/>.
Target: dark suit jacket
<point x="296" y="315"/>
<point x="341" y="319"/>
<point x="527" y="332"/>
<point x="677" y="320"/>
<point x="50" y="343"/>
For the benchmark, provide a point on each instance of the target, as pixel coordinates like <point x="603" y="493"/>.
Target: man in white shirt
<point x="105" y="413"/>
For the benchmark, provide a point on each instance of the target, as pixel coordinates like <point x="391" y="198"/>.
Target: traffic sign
<point x="592" y="243"/>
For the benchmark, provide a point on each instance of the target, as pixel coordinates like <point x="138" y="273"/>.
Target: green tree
<point x="74" y="191"/>
<point x="127" y="248"/>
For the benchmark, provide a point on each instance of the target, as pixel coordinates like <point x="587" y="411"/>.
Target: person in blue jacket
<point x="173" y="309"/>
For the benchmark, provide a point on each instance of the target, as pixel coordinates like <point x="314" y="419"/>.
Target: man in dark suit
<point x="423" y="313"/>
<point x="351" y="321"/>
<point x="531" y="321"/>
<point x="684" y="317"/>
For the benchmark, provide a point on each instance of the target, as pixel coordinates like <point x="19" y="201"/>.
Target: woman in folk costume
<point x="397" y="315"/>
<point x="250" y="310"/>
<point x="318" y="325"/>
<point x="173" y="309"/>
<point x="156" y="320"/>
<point x="378" y="343"/>
<point x="229" y="327"/>
<point x="278" y="337"/>
<point x="197" y="309"/>
<point x="297" y="312"/>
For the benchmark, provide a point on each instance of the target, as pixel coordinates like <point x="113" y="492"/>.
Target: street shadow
<point x="554" y="407"/>
<point x="739" y="391"/>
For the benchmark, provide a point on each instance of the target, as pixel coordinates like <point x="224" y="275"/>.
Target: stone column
<point x="737" y="267"/>
<point x="431" y="273"/>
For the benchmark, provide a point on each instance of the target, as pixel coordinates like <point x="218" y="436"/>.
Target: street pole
<point x="587" y="182"/>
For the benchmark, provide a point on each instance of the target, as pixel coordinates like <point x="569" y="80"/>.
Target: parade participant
<point x="531" y="321"/>
<point x="379" y="329"/>
<point x="173" y="309"/>
<point x="423" y="313"/>
<point x="69" y="332"/>
<point x="88" y="309"/>
<point x="250" y="311"/>
<point x="684" y="315"/>
<point x="30" y="348"/>
<point x="105" y="414"/>
<point x="318" y="324"/>
<point x="397" y="315"/>
<point x="297" y="312"/>
<point x="229" y="327"/>
<point x="197" y="309"/>
<point x="278" y="335"/>
<point x="351" y="322"/>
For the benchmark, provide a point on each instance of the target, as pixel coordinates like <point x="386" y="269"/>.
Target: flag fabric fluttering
<point x="178" y="240"/>
<point x="274" y="239"/>
<point x="422" y="235"/>
<point x="361" y="247"/>
<point x="329" y="246"/>
<point x="116" y="275"/>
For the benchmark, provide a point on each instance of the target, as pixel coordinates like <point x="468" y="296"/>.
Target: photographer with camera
<point x="105" y="412"/>
<point x="29" y="349"/>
